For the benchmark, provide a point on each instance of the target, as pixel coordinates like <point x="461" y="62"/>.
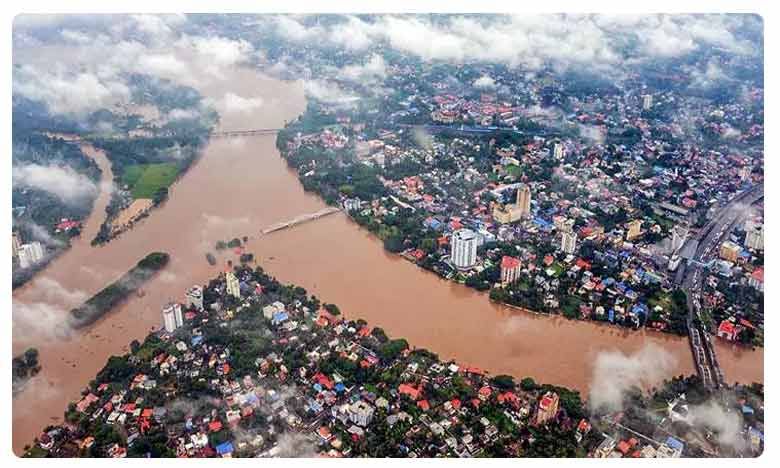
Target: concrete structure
<point x="195" y="297"/>
<point x="172" y="318"/>
<point x="30" y="254"/>
<point x="754" y="238"/>
<point x="558" y="151"/>
<point x="361" y="413"/>
<point x="647" y="101"/>
<point x="16" y="243"/>
<point x="524" y="200"/>
<point x="568" y="237"/>
<point x="634" y="229"/>
<point x="679" y="234"/>
<point x="510" y="269"/>
<point x="463" y="249"/>
<point x="729" y="251"/>
<point x="233" y="287"/>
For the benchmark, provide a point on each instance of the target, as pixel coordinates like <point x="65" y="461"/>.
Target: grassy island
<point x="99" y="304"/>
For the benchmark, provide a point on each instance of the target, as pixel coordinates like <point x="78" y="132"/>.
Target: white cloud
<point x="233" y="103"/>
<point x="484" y="81"/>
<point x="222" y="51"/>
<point x="328" y="92"/>
<point x="69" y="93"/>
<point x="615" y="373"/>
<point x="371" y="70"/>
<point x="166" y="65"/>
<point x="63" y="182"/>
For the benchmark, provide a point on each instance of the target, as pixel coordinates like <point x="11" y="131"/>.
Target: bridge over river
<point x="305" y="218"/>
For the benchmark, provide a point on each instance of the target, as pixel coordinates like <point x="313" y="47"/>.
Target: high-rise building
<point x="524" y="199"/>
<point x="30" y="254"/>
<point x="634" y="229"/>
<point x="16" y="243"/>
<point x="569" y="241"/>
<point x="745" y="172"/>
<point x="647" y="101"/>
<point x="679" y="234"/>
<point x="754" y="239"/>
<point x="463" y="249"/>
<point x="510" y="269"/>
<point x="195" y="297"/>
<point x="170" y="320"/>
<point x="558" y="151"/>
<point x="233" y="287"/>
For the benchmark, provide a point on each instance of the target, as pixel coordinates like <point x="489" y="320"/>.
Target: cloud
<point x="615" y="373"/>
<point x="328" y="92"/>
<point x="233" y="103"/>
<point x="62" y="181"/>
<point x="295" y="445"/>
<point x="727" y="425"/>
<point x="166" y="65"/>
<point x="46" y="316"/>
<point x="222" y="51"/>
<point x="602" y="42"/>
<point x="68" y="93"/>
<point x="484" y="81"/>
<point x="372" y="70"/>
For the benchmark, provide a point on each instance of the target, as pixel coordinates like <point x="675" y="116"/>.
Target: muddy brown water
<point x="240" y="186"/>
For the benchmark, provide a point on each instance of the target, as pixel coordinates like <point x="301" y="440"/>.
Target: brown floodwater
<point x="240" y="186"/>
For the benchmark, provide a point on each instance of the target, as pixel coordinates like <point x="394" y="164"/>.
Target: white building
<point x="558" y="151"/>
<point x="361" y="413"/>
<point x="172" y="318"/>
<point x="754" y="239"/>
<point x="30" y="254"/>
<point x="233" y="287"/>
<point x="679" y="234"/>
<point x="463" y="248"/>
<point x="568" y="242"/>
<point x="647" y="101"/>
<point x="16" y="243"/>
<point x="195" y="297"/>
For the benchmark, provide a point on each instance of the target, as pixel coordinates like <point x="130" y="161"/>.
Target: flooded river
<point x="240" y="186"/>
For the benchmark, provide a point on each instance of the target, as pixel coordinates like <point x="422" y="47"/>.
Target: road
<point x="707" y="241"/>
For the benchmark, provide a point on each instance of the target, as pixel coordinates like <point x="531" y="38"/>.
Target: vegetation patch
<point x="146" y="180"/>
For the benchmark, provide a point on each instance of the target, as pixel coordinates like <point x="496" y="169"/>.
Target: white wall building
<point x="169" y="317"/>
<point x="30" y="254"/>
<point x="361" y="413"/>
<point x="195" y="297"/>
<point x="754" y="239"/>
<point x="568" y="242"/>
<point x="463" y="248"/>
<point x="233" y="287"/>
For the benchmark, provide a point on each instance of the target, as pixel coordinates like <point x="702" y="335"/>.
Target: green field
<point x="145" y="179"/>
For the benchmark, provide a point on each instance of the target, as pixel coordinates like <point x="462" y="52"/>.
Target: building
<point x="679" y="234"/>
<point x="524" y="200"/>
<point x="558" y="151"/>
<point x="634" y="229"/>
<point x="233" y="288"/>
<point x="463" y="249"/>
<point x="172" y="318"/>
<point x="361" y="413"/>
<point x="729" y="251"/>
<point x="510" y="269"/>
<point x="727" y="330"/>
<point x="568" y="237"/>
<point x="605" y="447"/>
<point x="754" y="238"/>
<point x="195" y="297"/>
<point x="756" y="279"/>
<point x="548" y="408"/>
<point x="30" y="254"/>
<point x="16" y="243"/>
<point x="505" y="214"/>
<point x="647" y="101"/>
